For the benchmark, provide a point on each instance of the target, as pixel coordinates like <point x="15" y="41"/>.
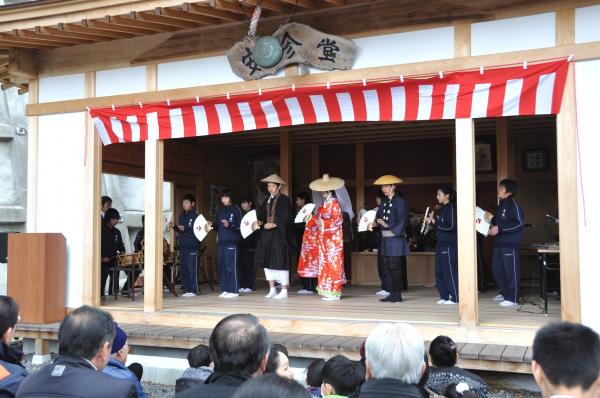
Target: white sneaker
<point x="448" y="302"/>
<point x="245" y="290"/>
<point x="223" y="294"/>
<point x="304" y="291"/>
<point x="440" y="301"/>
<point x="283" y="294"/>
<point x="383" y="293"/>
<point x="272" y="293"/>
<point x="231" y="295"/>
<point x="499" y="298"/>
<point x="330" y="298"/>
<point x="507" y="303"/>
<point x="189" y="294"/>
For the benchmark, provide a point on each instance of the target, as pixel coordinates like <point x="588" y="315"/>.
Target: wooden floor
<point x="357" y="312"/>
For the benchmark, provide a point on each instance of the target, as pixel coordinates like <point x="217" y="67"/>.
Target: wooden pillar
<point x="153" y="256"/>
<point x="154" y="175"/>
<point x="501" y="148"/>
<point x="467" y="242"/>
<point x="92" y="169"/>
<point x="566" y="146"/>
<point x="285" y="161"/>
<point x="315" y="172"/>
<point x="462" y="39"/>
<point x="360" y="175"/>
<point x="172" y="208"/>
<point x="32" y="159"/>
<point x="568" y="201"/>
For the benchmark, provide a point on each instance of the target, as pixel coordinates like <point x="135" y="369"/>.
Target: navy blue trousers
<point x="228" y="268"/>
<point x="506" y="267"/>
<point x="381" y="271"/>
<point x="189" y="269"/>
<point x="446" y="271"/>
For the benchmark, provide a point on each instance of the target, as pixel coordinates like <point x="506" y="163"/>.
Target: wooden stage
<point x="355" y="315"/>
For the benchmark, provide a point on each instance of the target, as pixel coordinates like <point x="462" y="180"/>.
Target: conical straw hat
<point x="388" y="179"/>
<point x="326" y="183"/>
<point x="274" y="178"/>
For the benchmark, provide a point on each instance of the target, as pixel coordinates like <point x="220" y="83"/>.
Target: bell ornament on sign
<point x="267" y="52"/>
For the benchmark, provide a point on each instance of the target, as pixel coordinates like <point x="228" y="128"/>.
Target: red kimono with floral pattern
<point x="330" y="249"/>
<point x="308" y="264"/>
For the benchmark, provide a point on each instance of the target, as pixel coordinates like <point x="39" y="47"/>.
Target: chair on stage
<point x="206" y="268"/>
<point x="170" y="265"/>
<point x="129" y="263"/>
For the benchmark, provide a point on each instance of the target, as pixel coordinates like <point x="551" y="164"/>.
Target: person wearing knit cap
<point x="116" y="364"/>
<point x="227" y="224"/>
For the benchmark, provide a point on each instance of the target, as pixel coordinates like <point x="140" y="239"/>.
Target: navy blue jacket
<point x="231" y="234"/>
<point x="73" y="377"/>
<point x="510" y="221"/>
<point x="186" y="240"/>
<point x="13" y="372"/>
<point x="395" y="214"/>
<point x="116" y="369"/>
<point x="445" y="225"/>
<point x="111" y="242"/>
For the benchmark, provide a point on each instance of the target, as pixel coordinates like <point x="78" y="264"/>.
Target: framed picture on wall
<point x="535" y="159"/>
<point x="483" y="157"/>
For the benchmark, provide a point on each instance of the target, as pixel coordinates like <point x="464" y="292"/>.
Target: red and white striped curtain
<point x="522" y="90"/>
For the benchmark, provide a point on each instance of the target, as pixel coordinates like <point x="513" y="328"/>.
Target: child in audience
<point x="200" y="364"/>
<point x="341" y="377"/>
<point x="313" y="377"/>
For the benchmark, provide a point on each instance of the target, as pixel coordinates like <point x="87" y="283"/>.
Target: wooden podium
<point x="37" y="264"/>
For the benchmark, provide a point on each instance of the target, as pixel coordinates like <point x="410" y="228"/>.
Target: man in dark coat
<point x="84" y="343"/>
<point x="272" y="249"/>
<point x="111" y="244"/>
<point x="12" y="372"/>
<point x="239" y="348"/>
<point x="394" y="363"/>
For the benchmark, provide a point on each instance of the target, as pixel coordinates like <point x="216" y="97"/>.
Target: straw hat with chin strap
<point x="274" y="178"/>
<point x="388" y="179"/>
<point x="326" y="183"/>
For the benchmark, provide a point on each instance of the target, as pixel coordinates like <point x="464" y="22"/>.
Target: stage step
<point x="493" y="357"/>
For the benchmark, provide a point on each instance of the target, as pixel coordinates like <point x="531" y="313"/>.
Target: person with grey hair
<point x="394" y="362"/>
<point x="239" y="348"/>
<point x="85" y="339"/>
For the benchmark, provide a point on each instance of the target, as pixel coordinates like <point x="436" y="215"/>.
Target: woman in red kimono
<point x="326" y="226"/>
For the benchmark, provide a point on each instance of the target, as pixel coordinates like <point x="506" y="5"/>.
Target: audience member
<point x="200" y="369"/>
<point x="443" y="355"/>
<point x="279" y="362"/>
<point x="314" y="379"/>
<point x="12" y="372"/>
<point x="84" y="344"/>
<point x="272" y="386"/>
<point x="394" y="362"/>
<point x="116" y="363"/>
<point x="566" y="361"/>
<point x="341" y="377"/>
<point x="239" y="348"/>
<point x="459" y="390"/>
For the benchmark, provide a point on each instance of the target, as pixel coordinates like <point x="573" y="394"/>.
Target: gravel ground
<point x="498" y="387"/>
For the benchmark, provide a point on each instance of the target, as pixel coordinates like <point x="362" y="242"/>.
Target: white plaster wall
<point x="121" y="81"/>
<point x="586" y="24"/>
<point x="513" y="34"/>
<point x="195" y="72"/>
<point x="60" y="190"/>
<point x="402" y="48"/>
<point x="588" y="98"/>
<point x="61" y="88"/>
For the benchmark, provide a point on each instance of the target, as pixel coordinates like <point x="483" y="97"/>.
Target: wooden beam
<point x="52" y="38"/>
<point x="32" y="159"/>
<point x="113" y="27"/>
<point x="270" y="5"/>
<point x="153" y="256"/>
<point x="159" y="19"/>
<point x="23" y="89"/>
<point x="18" y="38"/>
<point x="565" y="27"/>
<point x="22" y="62"/>
<point x="55" y="32"/>
<point x="139" y="24"/>
<point x="360" y="175"/>
<point x="309" y="4"/>
<point x="336" y="2"/>
<point x="86" y="29"/>
<point x="11" y="42"/>
<point x="285" y="161"/>
<point x="467" y="255"/>
<point x="566" y="146"/>
<point x="315" y="168"/>
<point x="92" y="169"/>
<point x="501" y="148"/>
<point x="229" y="6"/>
<point x="197" y="11"/>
